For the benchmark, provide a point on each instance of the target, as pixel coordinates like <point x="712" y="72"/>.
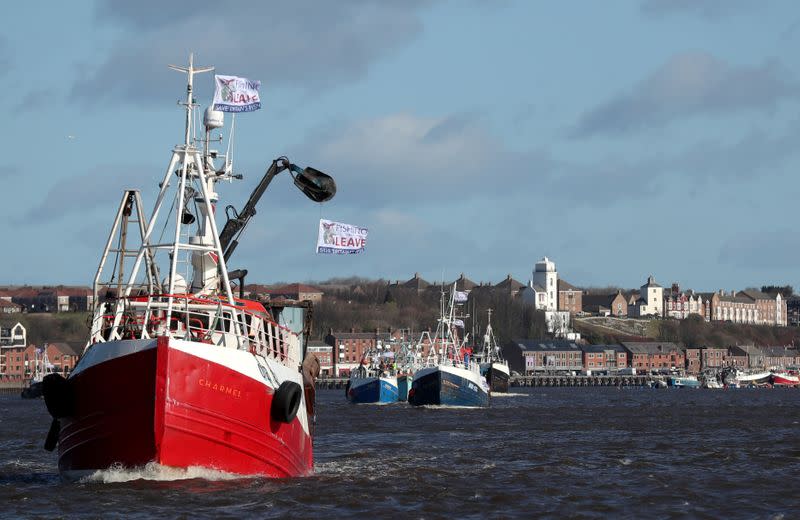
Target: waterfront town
<point x="562" y="304"/>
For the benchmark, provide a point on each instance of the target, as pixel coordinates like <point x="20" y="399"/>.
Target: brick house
<point x="679" y="304"/>
<point x="569" y="298"/>
<point x="510" y="286"/>
<point x="550" y="355"/>
<point x="416" y="283"/>
<point x="296" y="291"/>
<point x="780" y="357"/>
<point x="655" y="356"/>
<point x="747" y="306"/>
<point x="713" y="358"/>
<point x="693" y="361"/>
<point x="18" y="363"/>
<point x="605" y="304"/>
<point x="324" y="354"/>
<point x="7" y="306"/>
<point x="348" y="348"/>
<point x="463" y="283"/>
<point x="738" y="357"/>
<point x="755" y="356"/>
<point x="53" y="299"/>
<point x="604" y="358"/>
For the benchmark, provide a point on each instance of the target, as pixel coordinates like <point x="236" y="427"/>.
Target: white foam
<point x="157" y="472"/>
<point x="451" y="407"/>
<point x="508" y="394"/>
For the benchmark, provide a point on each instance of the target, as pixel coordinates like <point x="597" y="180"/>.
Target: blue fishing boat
<point x="449" y="377"/>
<point x="374" y="381"/>
<point x="373" y="389"/>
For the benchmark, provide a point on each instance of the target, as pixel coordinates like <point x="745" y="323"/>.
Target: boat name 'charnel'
<point x="235" y="392"/>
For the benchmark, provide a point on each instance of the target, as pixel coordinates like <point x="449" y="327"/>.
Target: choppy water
<point x="585" y="452"/>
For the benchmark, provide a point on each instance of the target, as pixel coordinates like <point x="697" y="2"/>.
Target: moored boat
<point x="684" y="382"/>
<point x="780" y="378"/>
<point x="754" y="379"/>
<point x="177" y="371"/>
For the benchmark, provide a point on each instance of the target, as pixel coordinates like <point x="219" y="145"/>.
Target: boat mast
<point x="187" y="162"/>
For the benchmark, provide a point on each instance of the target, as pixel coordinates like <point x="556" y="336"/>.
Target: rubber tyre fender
<point x="59" y="396"/>
<point x="286" y="402"/>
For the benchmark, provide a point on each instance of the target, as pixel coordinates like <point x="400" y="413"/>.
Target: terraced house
<point x="748" y="306"/>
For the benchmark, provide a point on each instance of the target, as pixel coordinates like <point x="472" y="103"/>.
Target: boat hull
<point x="403" y="387"/>
<point x="762" y="378"/>
<point x="181" y="404"/>
<point x="684" y="382"/>
<point x="372" y="390"/>
<point x="497" y="376"/>
<point x="34" y="391"/>
<point x="785" y="380"/>
<point x="450" y="386"/>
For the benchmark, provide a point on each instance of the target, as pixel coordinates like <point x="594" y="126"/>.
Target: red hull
<point x="180" y="410"/>
<point x="780" y="380"/>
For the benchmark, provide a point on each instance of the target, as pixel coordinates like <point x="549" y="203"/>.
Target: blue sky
<point x="620" y="138"/>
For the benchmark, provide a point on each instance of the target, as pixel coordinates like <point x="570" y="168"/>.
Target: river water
<point x="543" y="452"/>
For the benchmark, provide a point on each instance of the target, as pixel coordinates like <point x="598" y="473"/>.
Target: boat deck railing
<point x="198" y="321"/>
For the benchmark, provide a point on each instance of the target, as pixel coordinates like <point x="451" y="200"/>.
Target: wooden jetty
<point x="331" y="383"/>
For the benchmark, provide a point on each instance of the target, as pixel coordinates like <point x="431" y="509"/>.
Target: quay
<point x="11" y="387"/>
<point x="332" y="383"/>
<point x="580" y="380"/>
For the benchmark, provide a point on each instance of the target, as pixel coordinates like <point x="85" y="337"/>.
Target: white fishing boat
<point x="754" y="379"/>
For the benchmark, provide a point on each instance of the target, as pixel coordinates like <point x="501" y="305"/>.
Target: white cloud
<point x="302" y="44"/>
<point x="691" y="84"/>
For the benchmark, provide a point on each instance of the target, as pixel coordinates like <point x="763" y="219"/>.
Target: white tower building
<point x="545" y="277"/>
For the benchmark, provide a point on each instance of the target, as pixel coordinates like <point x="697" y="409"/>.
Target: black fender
<point x="286" y="402"/>
<point x="59" y="396"/>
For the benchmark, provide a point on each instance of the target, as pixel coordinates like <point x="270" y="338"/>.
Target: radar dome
<point x="213" y="118"/>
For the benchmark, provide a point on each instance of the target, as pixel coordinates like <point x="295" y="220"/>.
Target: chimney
<point x="676" y="288"/>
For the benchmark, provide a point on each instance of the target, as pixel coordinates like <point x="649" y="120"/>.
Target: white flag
<point x="235" y="94"/>
<point x="461" y="296"/>
<point x="340" y="239"/>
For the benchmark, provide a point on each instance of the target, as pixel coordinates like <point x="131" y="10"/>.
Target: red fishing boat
<point x="177" y="370"/>
<point x="782" y="378"/>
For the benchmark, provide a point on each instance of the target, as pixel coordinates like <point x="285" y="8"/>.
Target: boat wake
<point x="508" y="394"/>
<point x="450" y="407"/>
<point x="157" y="473"/>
